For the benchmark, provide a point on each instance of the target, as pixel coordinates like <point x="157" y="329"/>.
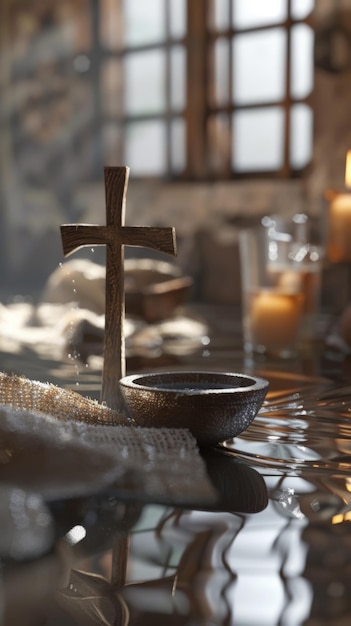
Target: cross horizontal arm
<point x="75" y="236"/>
<point x="161" y="239"/>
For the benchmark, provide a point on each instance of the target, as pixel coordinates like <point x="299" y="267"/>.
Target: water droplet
<point x="60" y="264"/>
<point x="92" y="250"/>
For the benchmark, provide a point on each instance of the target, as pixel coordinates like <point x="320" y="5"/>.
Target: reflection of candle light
<point x="275" y="319"/>
<point x="348" y="170"/>
<point x="339" y="226"/>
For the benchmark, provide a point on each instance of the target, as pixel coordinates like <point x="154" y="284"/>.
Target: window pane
<point x="144" y="21"/>
<point x="302" y="41"/>
<point x="145" y="148"/>
<point x="178" y="82"/>
<point x="221" y="63"/>
<point x="259" y="66"/>
<point x="301" y="8"/>
<point x="257" y="142"/>
<point x="144" y="75"/>
<point x="178" y="18"/>
<point x="221" y="14"/>
<point x="248" y="13"/>
<point x="178" y="145"/>
<point x="301" y="135"/>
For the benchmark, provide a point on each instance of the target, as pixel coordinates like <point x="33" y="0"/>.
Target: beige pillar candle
<point x="275" y="319"/>
<point x="339" y="221"/>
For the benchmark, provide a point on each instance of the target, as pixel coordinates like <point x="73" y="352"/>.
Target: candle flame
<point x="348" y="169"/>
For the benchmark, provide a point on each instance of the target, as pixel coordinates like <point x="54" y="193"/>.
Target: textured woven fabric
<point x="24" y="393"/>
<point x="60" y="444"/>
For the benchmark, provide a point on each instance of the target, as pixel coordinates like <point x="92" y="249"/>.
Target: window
<point x="259" y="118"/>
<point x="184" y="89"/>
<point x="144" y="74"/>
<point x="216" y="88"/>
<point x="189" y="89"/>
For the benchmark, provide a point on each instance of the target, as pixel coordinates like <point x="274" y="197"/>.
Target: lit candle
<point x="275" y="320"/>
<point x="290" y="281"/>
<point x="306" y="280"/>
<point x="339" y="221"/>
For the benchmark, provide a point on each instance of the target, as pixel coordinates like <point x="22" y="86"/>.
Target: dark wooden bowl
<point x="154" y="289"/>
<point x="214" y="406"/>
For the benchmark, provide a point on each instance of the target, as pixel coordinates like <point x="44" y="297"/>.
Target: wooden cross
<point x="115" y="236"/>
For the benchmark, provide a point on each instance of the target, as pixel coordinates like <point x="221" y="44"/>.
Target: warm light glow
<point x="339" y="518"/>
<point x="275" y="318"/>
<point x="348" y="169"/>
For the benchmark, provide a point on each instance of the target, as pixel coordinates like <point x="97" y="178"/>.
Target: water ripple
<point x="308" y="427"/>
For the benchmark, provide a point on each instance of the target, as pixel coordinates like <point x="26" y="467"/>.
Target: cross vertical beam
<point x="115" y="235"/>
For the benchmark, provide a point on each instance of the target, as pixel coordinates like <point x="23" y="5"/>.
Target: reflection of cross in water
<point x="115" y="235"/>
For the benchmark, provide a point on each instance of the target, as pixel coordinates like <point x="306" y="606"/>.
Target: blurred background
<point x="225" y="111"/>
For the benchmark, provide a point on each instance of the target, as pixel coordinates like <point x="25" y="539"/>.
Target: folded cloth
<point x="58" y="444"/>
<point x="21" y="392"/>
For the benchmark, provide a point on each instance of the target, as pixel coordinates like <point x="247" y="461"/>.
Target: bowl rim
<point x="132" y="382"/>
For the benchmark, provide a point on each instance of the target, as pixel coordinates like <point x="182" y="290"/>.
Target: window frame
<point x="198" y="43"/>
<point x="286" y="171"/>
